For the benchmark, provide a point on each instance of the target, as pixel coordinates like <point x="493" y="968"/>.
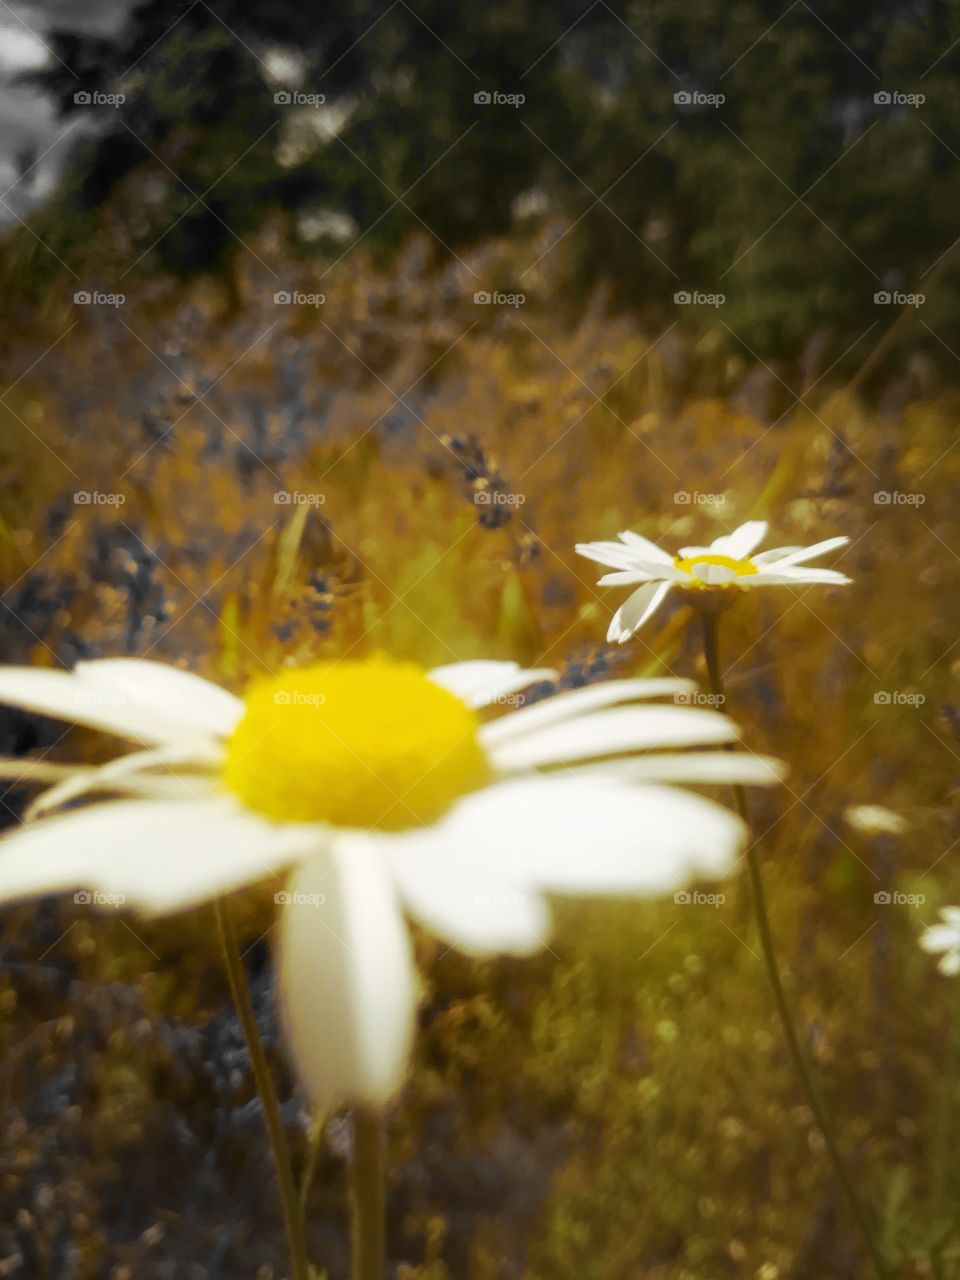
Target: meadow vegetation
<point x="399" y="469"/>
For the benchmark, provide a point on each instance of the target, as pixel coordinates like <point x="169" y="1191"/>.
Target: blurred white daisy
<point x="875" y="820"/>
<point x="381" y="791"/>
<point x="944" y="940"/>
<point x="715" y="573"/>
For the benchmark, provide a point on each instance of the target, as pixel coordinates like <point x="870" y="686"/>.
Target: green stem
<point x="711" y="650"/>
<point x="368" y="1196"/>
<point x="314" y="1143"/>
<point x="239" y="989"/>
<point x="943" y="1136"/>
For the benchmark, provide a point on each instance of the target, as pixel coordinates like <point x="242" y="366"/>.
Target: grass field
<point x="270" y="484"/>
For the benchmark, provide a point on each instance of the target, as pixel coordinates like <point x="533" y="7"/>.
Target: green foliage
<point x="797" y="198"/>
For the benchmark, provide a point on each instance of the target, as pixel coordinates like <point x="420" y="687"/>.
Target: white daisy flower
<point x="875" y="820"/>
<point x="380" y="789"/>
<point x="944" y="939"/>
<point x="714" y="573"/>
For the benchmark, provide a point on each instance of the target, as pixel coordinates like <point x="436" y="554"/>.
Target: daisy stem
<point x="240" y="990"/>
<point x="369" y="1200"/>
<point x="711" y="651"/>
<point x="946" y="1106"/>
<point x="314" y="1142"/>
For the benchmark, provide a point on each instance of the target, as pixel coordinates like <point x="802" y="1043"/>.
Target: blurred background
<point x="329" y="331"/>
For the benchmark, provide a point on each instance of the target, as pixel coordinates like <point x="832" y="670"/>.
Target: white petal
<point x="818" y="549"/>
<point x="31" y="770"/>
<point x="647" y="549"/>
<point x="66" y="696"/>
<point x="173" y="692"/>
<point x="803" y="574"/>
<point x="347" y="981"/>
<point x="461" y="903"/>
<point x="583" y="835"/>
<point x="952" y="916"/>
<point x="694" y="767"/>
<point x="739" y="544"/>
<point x="614" y="554"/>
<point x="480" y="683"/>
<point x="771" y="577"/>
<point x="773" y="555"/>
<point x="799" y="554"/>
<point x="795" y="577"/>
<point x="714" y="574"/>
<point x="627" y="577"/>
<point x="950" y="964"/>
<point x="575" y="702"/>
<point x="156" y="856"/>
<point x="187" y="766"/>
<point x="609" y="731"/>
<point x="940" y="937"/>
<point x="636" y="610"/>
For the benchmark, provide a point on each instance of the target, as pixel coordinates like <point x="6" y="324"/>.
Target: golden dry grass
<point x="638" y="1066"/>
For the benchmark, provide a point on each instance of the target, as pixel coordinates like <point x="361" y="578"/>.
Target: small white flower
<point x="875" y="820"/>
<point x="713" y="572"/>
<point x="944" y="939"/>
<point x="380" y="790"/>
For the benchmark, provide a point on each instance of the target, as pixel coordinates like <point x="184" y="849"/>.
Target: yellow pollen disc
<point x="356" y="744"/>
<point x="742" y="568"/>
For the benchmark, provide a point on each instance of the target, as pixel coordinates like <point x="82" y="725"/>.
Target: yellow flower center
<point x="357" y="744"/>
<point x="742" y="568"/>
